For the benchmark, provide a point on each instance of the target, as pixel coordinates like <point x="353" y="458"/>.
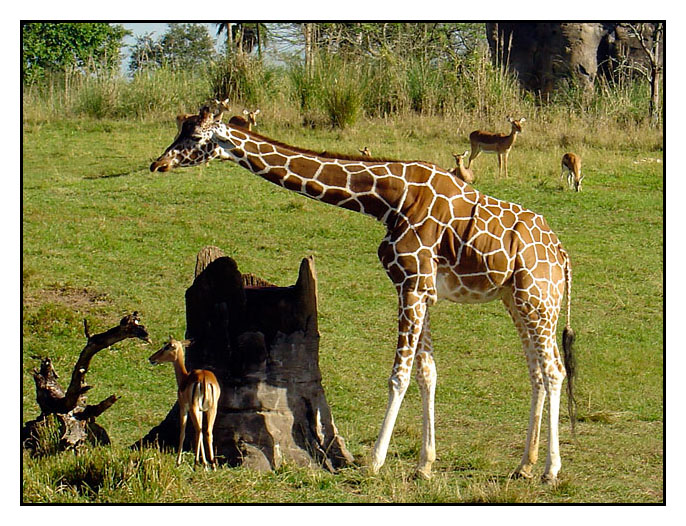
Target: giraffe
<point x="444" y="239"/>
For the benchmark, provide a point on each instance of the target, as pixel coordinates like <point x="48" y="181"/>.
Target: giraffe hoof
<point x="549" y="480"/>
<point x="522" y="473"/>
<point x="423" y="474"/>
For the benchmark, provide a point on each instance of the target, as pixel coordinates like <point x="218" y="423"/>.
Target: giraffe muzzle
<point x="160" y="166"/>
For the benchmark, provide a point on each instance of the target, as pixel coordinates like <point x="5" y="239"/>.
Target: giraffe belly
<point x="465" y="289"/>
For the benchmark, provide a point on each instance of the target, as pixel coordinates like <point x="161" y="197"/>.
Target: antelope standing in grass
<point x="365" y="151"/>
<point x="499" y="143"/>
<point x="571" y="164"/>
<point x="198" y="393"/>
<point x="246" y="122"/>
<point x="461" y="171"/>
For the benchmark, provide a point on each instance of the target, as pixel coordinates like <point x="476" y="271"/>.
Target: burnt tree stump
<point x="262" y="342"/>
<point x="76" y="418"/>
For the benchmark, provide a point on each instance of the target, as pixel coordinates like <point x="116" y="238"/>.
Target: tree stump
<point x="262" y="342"/>
<point x="75" y="418"/>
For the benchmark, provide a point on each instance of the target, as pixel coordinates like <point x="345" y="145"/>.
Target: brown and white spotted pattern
<point x="444" y="240"/>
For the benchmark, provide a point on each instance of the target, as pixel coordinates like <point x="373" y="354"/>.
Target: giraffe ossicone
<point x="444" y="239"/>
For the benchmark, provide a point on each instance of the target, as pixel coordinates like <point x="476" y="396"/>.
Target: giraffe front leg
<point x="410" y="319"/>
<point x="426" y="378"/>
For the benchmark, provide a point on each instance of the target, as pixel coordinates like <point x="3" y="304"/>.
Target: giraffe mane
<point x="323" y="154"/>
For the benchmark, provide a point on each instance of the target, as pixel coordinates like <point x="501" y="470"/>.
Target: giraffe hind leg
<point x="531" y="445"/>
<point x="426" y="378"/>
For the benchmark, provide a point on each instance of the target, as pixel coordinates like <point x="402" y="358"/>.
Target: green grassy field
<point x="103" y="237"/>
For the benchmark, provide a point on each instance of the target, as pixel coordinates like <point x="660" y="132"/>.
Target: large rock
<point x="544" y="54"/>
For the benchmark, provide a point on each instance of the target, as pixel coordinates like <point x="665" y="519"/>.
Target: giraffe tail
<point x="568" y="356"/>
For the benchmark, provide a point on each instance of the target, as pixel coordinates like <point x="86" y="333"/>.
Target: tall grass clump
<point x="341" y="91"/>
<point x="106" y="94"/>
<point x="241" y="78"/>
<point x="163" y="91"/>
<point x="386" y="92"/>
<point x="487" y="90"/>
<point x="100" y="474"/>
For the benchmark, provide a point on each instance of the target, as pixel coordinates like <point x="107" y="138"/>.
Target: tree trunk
<point x="262" y="342"/>
<point x="75" y="418"/>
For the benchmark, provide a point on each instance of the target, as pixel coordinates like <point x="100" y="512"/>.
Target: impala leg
<point x="426" y="378"/>
<point x="410" y="319"/>
<point x="211" y="416"/>
<point x="183" y="418"/>
<point x="196" y="418"/>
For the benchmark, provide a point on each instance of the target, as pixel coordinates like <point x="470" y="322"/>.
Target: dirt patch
<point x="76" y="298"/>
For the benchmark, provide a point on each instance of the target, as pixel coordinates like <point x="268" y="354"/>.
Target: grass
<point x="102" y="237"/>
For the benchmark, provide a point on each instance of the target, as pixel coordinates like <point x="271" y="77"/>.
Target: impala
<point x="499" y="143"/>
<point x="246" y="122"/>
<point x="198" y="393"/>
<point x="365" y="151"/>
<point x="571" y="163"/>
<point x="461" y="171"/>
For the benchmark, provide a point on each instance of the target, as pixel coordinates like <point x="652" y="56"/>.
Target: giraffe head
<point x="200" y="139"/>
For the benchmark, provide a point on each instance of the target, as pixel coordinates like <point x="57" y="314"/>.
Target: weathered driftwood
<point x="262" y="342"/>
<point x="76" y="418"/>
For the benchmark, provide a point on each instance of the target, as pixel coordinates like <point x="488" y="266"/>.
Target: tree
<point x="650" y="37"/>
<point x="243" y="37"/>
<point x="50" y="47"/>
<point x="186" y="46"/>
<point x="182" y="46"/>
<point x="145" y="53"/>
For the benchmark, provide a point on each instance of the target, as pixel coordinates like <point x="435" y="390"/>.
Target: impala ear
<point x="257" y="111"/>
<point x="245" y="112"/>
<point x="187" y="343"/>
<point x="522" y="120"/>
<point x="465" y="153"/>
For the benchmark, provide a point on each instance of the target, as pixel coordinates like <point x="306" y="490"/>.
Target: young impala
<point x="198" y="393"/>
<point x="571" y="163"/>
<point x="498" y="143"/>
<point x="461" y="171"/>
<point x="365" y="151"/>
<point x="246" y="122"/>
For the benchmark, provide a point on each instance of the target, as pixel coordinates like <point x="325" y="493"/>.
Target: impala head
<point x="200" y="139"/>
<point x="170" y="352"/>
<point x="517" y="124"/>
<point x="251" y="116"/>
<point x="459" y="158"/>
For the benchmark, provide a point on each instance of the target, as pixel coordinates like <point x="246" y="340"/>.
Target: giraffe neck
<point x="375" y="188"/>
